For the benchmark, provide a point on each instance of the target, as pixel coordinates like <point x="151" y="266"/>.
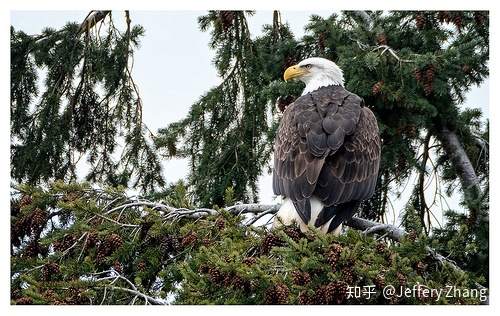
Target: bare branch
<point x="147" y="298"/>
<point x="92" y="19"/>
<point x="133" y="290"/>
<point x="371" y="227"/>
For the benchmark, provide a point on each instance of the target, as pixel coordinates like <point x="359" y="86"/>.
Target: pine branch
<point x="371" y="227"/>
<point x="92" y="19"/>
<point x="367" y="226"/>
<point x="115" y="277"/>
<point x="363" y="17"/>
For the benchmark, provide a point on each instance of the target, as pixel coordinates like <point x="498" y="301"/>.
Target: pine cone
<point x="24" y="301"/>
<point x="118" y="267"/>
<point x="226" y="18"/>
<point x="25" y="201"/>
<point x="332" y="293"/>
<point x="381" y="247"/>
<point x="320" y="297"/>
<point x="26" y="223"/>
<point x="428" y="80"/>
<point x="269" y="242"/>
<point x="300" y="278"/>
<point x="249" y="261"/>
<point x="203" y="268"/>
<point x="381" y="39"/>
<point x="348" y="274"/>
<point x="141" y="266"/>
<point x="339" y="291"/>
<point x="227" y="279"/>
<point x="444" y="16"/>
<point x="447" y="16"/>
<point x="169" y="244"/>
<point x="429" y="73"/>
<point x="277" y="294"/>
<point x="102" y="252"/>
<point x="189" y="239"/>
<point x="294" y="232"/>
<point x="419" y="294"/>
<point x="96" y="221"/>
<point x="401" y="279"/>
<point x="74" y="296"/>
<point x="215" y="275"/>
<point x="15" y="238"/>
<point x="32" y="249"/>
<point x="457" y="20"/>
<point x="379" y="281"/>
<point x="207" y="242"/>
<point x="420" y="267"/>
<point x="412" y="235"/>
<point x="322" y="42"/>
<point x="114" y="241"/>
<point x="305" y="299"/>
<point x="333" y="255"/>
<point x="145" y="227"/>
<point x="420" y="21"/>
<point x="38" y="220"/>
<point x="220" y="223"/>
<point x="15" y="293"/>
<point x="428" y="88"/>
<point x="49" y="270"/>
<point x="418" y="74"/>
<point x="18" y="230"/>
<point x="240" y="283"/>
<point x="91" y="239"/>
<point x="377" y="87"/>
<point x="51" y="296"/>
<point x="64" y="243"/>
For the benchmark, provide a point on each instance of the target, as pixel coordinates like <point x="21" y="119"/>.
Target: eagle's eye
<point x="308" y="66"/>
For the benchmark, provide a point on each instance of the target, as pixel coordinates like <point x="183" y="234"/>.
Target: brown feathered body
<point x="326" y="158"/>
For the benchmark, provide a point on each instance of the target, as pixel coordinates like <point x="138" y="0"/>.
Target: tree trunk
<point x="465" y="170"/>
<point x="459" y="159"/>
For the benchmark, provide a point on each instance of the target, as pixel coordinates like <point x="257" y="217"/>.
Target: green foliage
<point x="90" y="246"/>
<point x="87" y="101"/>
<point x="74" y="244"/>
<point x="466" y="242"/>
<point x="411" y="67"/>
<point x="227" y="133"/>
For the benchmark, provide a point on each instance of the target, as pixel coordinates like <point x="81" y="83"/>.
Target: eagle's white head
<point x="315" y="72"/>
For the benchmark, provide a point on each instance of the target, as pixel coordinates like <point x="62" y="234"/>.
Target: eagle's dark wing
<point x="327" y="145"/>
<point x="350" y="174"/>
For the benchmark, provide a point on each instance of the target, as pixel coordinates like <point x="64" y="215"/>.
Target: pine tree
<point x="228" y="129"/>
<point x="70" y="264"/>
<point x="415" y="86"/>
<point x="74" y="244"/>
<point x="87" y="101"/>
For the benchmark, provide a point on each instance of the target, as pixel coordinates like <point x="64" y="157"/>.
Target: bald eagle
<point x="326" y="152"/>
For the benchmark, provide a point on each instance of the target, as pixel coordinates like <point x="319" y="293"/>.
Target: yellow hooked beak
<point x="293" y="72"/>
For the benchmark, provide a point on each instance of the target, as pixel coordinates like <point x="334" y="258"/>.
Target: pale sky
<point x="173" y="67"/>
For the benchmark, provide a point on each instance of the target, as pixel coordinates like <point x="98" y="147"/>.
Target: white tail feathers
<point x="287" y="215"/>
